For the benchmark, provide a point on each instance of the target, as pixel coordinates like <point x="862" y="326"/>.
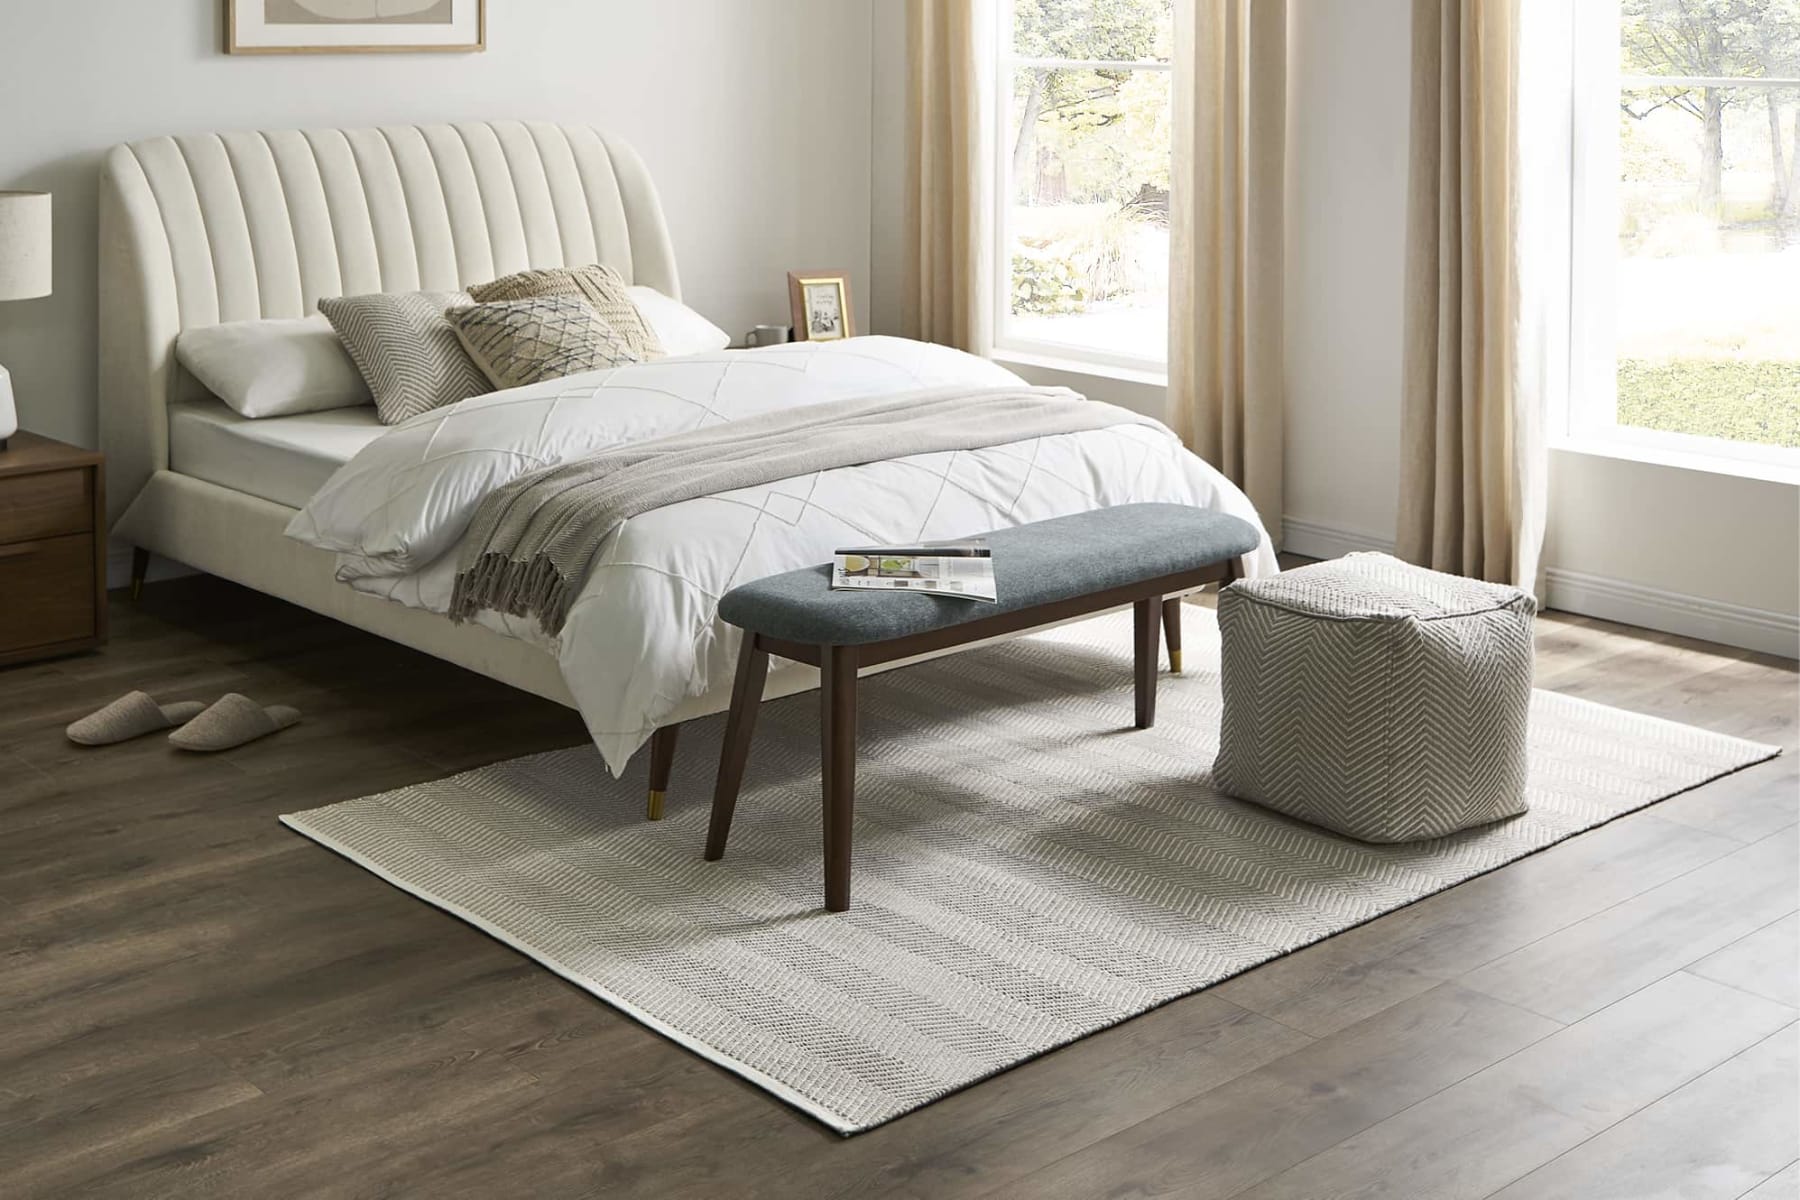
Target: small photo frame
<point x="355" y="26"/>
<point x="821" y="305"/>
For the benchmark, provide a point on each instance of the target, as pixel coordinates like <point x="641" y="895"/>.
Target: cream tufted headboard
<point x="240" y="226"/>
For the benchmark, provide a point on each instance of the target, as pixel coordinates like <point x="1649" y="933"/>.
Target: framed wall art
<point x="355" y="26"/>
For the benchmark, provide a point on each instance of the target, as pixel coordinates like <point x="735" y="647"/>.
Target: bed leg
<point x="140" y="567"/>
<point x="662" y="762"/>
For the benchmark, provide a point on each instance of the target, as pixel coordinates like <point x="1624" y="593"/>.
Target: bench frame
<point x="1155" y="603"/>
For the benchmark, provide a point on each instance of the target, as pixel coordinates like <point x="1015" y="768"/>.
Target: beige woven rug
<point x="1028" y="868"/>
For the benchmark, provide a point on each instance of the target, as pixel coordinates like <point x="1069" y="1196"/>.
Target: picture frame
<point x="821" y="305"/>
<point x="355" y="26"/>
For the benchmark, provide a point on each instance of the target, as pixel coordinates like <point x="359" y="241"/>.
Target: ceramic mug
<point x="768" y="335"/>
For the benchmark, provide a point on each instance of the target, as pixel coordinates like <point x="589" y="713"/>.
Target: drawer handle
<point x="20" y="549"/>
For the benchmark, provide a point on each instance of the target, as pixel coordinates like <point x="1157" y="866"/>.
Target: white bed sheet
<point x="281" y="459"/>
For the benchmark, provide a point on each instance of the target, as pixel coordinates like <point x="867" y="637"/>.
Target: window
<point x="1083" y="226"/>
<point x="1686" y="286"/>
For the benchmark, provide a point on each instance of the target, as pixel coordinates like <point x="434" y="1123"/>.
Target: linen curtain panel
<point x="948" y="292"/>
<point x="1471" y="462"/>
<point x="1227" y="210"/>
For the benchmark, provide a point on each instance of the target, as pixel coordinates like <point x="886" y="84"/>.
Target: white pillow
<point x="273" y="368"/>
<point x="679" y="328"/>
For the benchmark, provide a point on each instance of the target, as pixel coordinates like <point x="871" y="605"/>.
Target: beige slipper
<point x="131" y="715"/>
<point x="231" y="722"/>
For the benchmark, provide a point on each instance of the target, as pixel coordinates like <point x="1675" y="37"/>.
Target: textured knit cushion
<point x="1376" y="698"/>
<point x="1034" y="564"/>
<point x="600" y="286"/>
<point x="516" y="342"/>
<point x="406" y="350"/>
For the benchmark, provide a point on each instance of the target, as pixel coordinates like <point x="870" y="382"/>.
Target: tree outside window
<point x="1707" y="294"/>
<point x="1085" y="157"/>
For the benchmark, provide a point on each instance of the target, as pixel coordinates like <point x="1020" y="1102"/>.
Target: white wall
<point x="753" y="116"/>
<point x="1348" y="97"/>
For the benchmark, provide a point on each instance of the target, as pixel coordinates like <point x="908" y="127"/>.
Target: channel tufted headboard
<point x="239" y="226"/>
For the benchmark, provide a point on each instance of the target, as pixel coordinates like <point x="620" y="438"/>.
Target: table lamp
<point x="24" y="272"/>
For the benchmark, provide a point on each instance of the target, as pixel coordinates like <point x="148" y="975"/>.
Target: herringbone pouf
<point x="1376" y="698"/>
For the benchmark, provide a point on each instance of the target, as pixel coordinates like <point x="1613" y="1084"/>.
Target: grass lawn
<point x="1713" y="397"/>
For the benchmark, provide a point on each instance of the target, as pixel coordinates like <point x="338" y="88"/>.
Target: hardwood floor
<point x="196" y="1001"/>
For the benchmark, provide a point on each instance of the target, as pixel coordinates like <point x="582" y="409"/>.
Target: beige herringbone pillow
<point x="407" y="352"/>
<point x="602" y="288"/>
<point x="516" y="342"/>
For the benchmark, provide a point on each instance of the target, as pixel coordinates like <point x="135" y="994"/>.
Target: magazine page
<point x="962" y="569"/>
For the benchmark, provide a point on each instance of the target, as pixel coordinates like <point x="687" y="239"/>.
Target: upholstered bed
<point x="206" y="229"/>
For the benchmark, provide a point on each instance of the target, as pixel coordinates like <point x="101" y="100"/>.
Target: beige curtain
<point x="949" y="199"/>
<point x="1226" y="215"/>
<point x="1471" y="462"/>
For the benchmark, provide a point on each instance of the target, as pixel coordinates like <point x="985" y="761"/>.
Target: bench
<point x="1145" y="555"/>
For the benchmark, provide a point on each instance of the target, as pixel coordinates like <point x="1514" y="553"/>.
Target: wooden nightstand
<point x="52" y="549"/>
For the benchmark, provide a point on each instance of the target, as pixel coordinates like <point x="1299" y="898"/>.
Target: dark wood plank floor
<point x="196" y="1002"/>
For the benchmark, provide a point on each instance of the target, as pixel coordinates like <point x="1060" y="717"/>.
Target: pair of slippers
<point x="230" y="722"/>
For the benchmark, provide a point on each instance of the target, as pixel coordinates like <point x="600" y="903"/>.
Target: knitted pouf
<point x="1376" y="698"/>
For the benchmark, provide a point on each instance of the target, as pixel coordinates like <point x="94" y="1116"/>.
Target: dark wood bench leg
<point x="662" y="762"/>
<point x="837" y="712"/>
<point x="1171" y="619"/>
<point x="1144" y="619"/>
<point x="746" y="699"/>
<point x="140" y="567"/>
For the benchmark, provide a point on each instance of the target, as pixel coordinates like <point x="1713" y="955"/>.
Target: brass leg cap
<point x="653" y="810"/>
<point x="1175" y="662"/>
<point x="137" y="590"/>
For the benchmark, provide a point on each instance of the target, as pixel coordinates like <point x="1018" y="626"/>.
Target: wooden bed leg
<point x="1171" y="622"/>
<point x="140" y="567"/>
<point x="746" y="699"/>
<point x="662" y="762"/>
<point x="1145" y="614"/>
<point x="837" y="712"/>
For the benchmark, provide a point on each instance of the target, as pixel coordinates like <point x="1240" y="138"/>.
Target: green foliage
<point x="1710" y="37"/>
<point x="1757" y="38"/>
<point x="1091" y="155"/>
<point x="1104" y="130"/>
<point x="1723" y="398"/>
<point x="1048" y="283"/>
<point x="1092" y="29"/>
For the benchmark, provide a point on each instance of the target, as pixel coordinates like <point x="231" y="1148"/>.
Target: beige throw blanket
<point x="529" y="546"/>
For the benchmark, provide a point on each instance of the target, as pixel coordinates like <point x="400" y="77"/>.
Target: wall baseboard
<point x="1322" y="541"/>
<point x="1601" y="597"/>
<point x="1672" y="612"/>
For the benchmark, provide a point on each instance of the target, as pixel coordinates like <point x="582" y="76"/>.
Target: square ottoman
<point x="1376" y="698"/>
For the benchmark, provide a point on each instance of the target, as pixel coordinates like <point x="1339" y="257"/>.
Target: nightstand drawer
<point x="47" y="592"/>
<point x="47" y="504"/>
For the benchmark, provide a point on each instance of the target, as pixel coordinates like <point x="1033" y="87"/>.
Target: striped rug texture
<point x="1029" y="869"/>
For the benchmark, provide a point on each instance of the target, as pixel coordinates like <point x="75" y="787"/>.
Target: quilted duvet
<point x="644" y="635"/>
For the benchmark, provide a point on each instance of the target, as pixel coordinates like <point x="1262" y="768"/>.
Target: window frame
<point x="1590" y="416"/>
<point x="1071" y="355"/>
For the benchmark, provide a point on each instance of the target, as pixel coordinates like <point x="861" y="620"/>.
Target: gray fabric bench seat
<point x="1036" y="564"/>
<point x="1144" y="555"/>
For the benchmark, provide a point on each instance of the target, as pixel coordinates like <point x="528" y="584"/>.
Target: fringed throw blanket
<point x="528" y="548"/>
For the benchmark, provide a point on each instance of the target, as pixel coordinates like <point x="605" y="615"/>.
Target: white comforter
<point x="644" y="636"/>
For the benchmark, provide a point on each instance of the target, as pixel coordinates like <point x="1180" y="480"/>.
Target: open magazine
<point x="961" y="568"/>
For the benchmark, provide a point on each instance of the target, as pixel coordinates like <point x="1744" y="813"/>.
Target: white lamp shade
<point x="24" y="245"/>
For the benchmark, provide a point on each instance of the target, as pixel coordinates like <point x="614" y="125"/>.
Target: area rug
<point x="1029" y="869"/>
